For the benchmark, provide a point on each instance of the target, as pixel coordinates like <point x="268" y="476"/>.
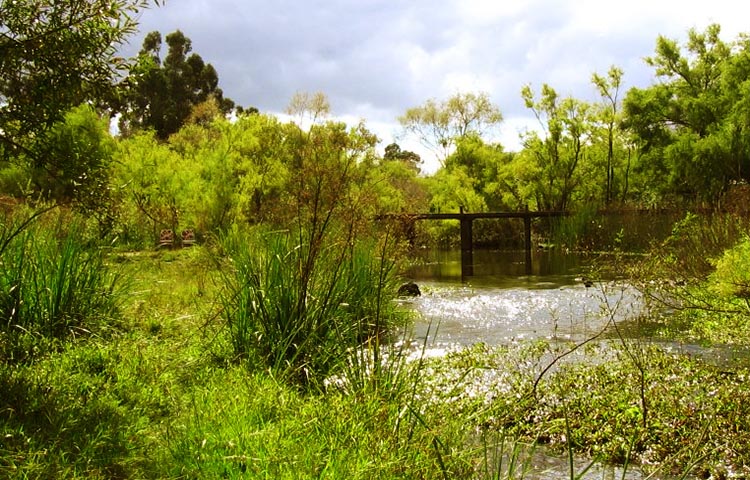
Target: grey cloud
<point x="362" y="54"/>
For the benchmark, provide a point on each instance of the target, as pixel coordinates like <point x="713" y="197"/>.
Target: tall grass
<point x="302" y="318"/>
<point x="52" y="286"/>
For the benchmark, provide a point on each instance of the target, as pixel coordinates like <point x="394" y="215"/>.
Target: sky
<point x="374" y="59"/>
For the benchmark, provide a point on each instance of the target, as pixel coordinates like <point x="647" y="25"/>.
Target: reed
<point x="52" y="287"/>
<point x="301" y="311"/>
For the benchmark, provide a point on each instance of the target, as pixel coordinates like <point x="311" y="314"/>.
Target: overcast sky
<point x="375" y="58"/>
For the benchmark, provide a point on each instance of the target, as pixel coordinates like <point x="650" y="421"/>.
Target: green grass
<point x="166" y="398"/>
<point x="164" y="395"/>
<point x="300" y="310"/>
<point x="52" y="288"/>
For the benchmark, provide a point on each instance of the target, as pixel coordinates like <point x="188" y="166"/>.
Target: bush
<point x="732" y="275"/>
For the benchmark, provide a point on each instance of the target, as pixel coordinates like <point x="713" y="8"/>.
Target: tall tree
<point x="55" y="55"/>
<point x="692" y="125"/>
<point x="394" y="152"/>
<point x="609" y="89"/>
<point x="439" y="125"/>
<point x="163" y="92"/>
<point x="562" y="148"/>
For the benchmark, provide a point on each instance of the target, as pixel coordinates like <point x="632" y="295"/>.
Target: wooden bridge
<point x="466" y="219"/>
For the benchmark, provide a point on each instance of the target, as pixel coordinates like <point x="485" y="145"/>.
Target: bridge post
<point x="467" y="247"/>
<point x="527" y="242"/>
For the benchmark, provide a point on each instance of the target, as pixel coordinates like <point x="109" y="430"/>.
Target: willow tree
<point x="439" y="125"/>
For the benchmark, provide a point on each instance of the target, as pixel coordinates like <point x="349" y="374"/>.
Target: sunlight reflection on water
<point x="460" y="315"/>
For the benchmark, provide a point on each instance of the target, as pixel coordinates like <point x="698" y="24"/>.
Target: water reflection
<point x="496" y="268"/>
<point x="500" y="304"/>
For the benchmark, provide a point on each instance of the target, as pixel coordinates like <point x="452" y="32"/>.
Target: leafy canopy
<point x="163" y="92"/>
<point x="438" y="125"/>
<point x="55" y="55"/>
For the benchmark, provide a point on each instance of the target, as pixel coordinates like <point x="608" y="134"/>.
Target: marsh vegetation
<point x="208" y="295"/>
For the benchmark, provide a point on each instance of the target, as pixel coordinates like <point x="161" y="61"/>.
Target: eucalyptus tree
<point x="162" y="92"/>
<point x="439" y="125"/>
<point x="692" y="125"/>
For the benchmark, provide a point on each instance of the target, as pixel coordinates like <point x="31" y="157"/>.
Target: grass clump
<point x="301" y="313"/>
<point x="53" y="287"/>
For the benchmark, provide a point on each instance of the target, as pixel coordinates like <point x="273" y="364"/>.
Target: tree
<point x="393" y="152"/>
<point x="78" y="153"/>
<point x="692" y="126"/>
<point x="609" y="90"/>
<point x="162" y="93"/>
<point x="485" y="164"/>
<point x="560" y="151"/>
<point x="55" y="55"/>
<point x="439" y="125"/>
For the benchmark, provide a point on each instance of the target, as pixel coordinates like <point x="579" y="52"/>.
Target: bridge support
<point x="527" y="242"/>
<point x="467" y="248"/>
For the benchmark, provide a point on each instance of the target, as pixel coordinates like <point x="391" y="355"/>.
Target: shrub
<point x="732" y="275"/>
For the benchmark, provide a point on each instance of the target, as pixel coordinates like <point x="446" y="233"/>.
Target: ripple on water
<point x="464" y="316"/>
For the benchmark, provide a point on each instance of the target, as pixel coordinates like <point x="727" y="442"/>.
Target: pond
<point x="501" y="304"/>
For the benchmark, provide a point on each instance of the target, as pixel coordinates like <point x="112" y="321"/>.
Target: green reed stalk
<point x="52" y="287"/>
<point x="298" y="321"/>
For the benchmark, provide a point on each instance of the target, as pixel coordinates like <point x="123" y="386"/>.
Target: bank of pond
<point x="563" y="373"/>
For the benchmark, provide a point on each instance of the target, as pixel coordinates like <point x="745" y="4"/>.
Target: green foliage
<point x="397" y="187"/>
<point x="299" y="319"/>
<point x="52" y="287"/>
<point x="438" y="126"/>
<point x="487" y="166"/>
<point x="207" y="177"/>
<point x="77" y="155"/>
<point x="703" y="261"/>
<point x="732" y="275"/>
<point x="152" y="183"/>
<point x="691" y="127"/>
<point x="452" y="190"/>
<point x="55" y="55"/>
<point x="695" y="240"/>
<point x="609" y="116"/>
<point x="561" y="152"/>
<point x="162" y="93"/>
<point x="572" y="231"/>
<point x="697" y="413"/>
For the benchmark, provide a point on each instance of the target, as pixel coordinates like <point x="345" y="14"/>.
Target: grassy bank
<point x="166" y="396"/>
<point x="161" y="388"/>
